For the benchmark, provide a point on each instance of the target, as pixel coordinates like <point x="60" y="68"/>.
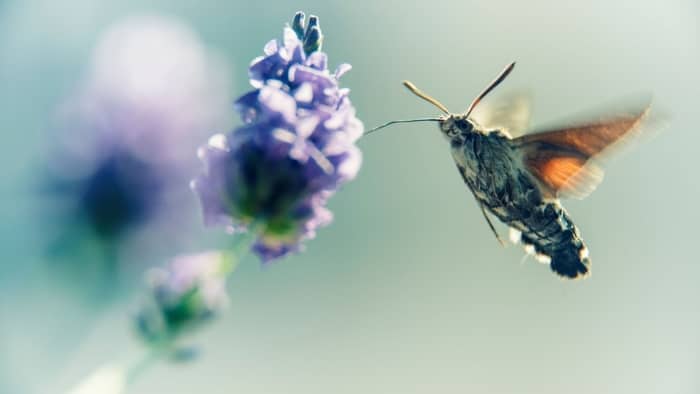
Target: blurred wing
<point x="564" y="160"/>
<point x="509" y="113"/>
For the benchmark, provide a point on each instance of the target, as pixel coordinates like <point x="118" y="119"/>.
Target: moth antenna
<point x="425" y="97"/>
<point x="490" y="87"/>
<point x="402" y="121"/>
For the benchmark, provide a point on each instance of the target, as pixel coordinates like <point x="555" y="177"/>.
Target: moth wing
<point x="565" y="160"/>
<point x="509" y="112"/>
<point x="562" y="174"/>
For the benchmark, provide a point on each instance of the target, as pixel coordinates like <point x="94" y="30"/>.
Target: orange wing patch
<point x="565" y="176"/>
<point x="557" y="171"/>
<point x="564" y="160"/>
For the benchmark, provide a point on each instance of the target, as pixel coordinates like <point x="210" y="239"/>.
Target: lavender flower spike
<point x="296" y="147"/>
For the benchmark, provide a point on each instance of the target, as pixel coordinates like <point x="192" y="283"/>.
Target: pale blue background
<point x="407" y="292"/>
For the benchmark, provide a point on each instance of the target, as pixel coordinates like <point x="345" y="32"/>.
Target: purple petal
<point x="341" y="70"/>
<point x="320" y="79"/>
<point x="290" y="39"/>
<point x="305" y="93"/>
<point x="275" y="100"/>
<point x="271" y="47"/>
<point x="318" y="60"/>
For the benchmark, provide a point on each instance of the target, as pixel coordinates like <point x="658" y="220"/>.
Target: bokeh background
<point x="407" y="291"/>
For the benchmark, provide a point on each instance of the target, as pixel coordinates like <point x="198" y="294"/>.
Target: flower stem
<point x="239" y="249"/>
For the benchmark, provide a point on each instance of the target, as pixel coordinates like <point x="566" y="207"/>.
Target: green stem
<point x="239" y="249"/>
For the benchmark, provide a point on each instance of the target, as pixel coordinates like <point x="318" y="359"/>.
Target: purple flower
<point x="183" y="297"/>
<point x="296" y="147"/>
<point x="119" y="156"/>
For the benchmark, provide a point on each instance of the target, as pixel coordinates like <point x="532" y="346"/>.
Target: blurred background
<point x="407" y="291"/>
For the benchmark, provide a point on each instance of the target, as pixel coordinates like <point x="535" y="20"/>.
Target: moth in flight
<point x="520" y="179"/>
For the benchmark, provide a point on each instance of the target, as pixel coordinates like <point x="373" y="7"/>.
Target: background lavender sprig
<point x="190" y="292"/>
<point x="274" y="174"/>
<point x="182" y="298"/>
<point x="120" y="151"/>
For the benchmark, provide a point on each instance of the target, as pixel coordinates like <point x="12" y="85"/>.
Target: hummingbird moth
<point x="520" y="179"/>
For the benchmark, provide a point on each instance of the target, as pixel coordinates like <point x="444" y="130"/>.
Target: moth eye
<point x="464" y="125"/>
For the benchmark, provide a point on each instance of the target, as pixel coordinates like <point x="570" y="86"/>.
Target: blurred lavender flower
<point x="120" y="157"/>
<point x="184" y="296"/>
<point x="274" y="174"/>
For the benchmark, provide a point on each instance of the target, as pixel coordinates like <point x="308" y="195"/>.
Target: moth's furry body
<point x="491" y="167"/>
<point x="519" y="180"/>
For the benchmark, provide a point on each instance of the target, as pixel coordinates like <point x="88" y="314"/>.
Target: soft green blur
<point x="407" y="291"/>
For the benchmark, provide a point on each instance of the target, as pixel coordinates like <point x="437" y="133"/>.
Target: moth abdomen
<point x="552" y="237"/>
